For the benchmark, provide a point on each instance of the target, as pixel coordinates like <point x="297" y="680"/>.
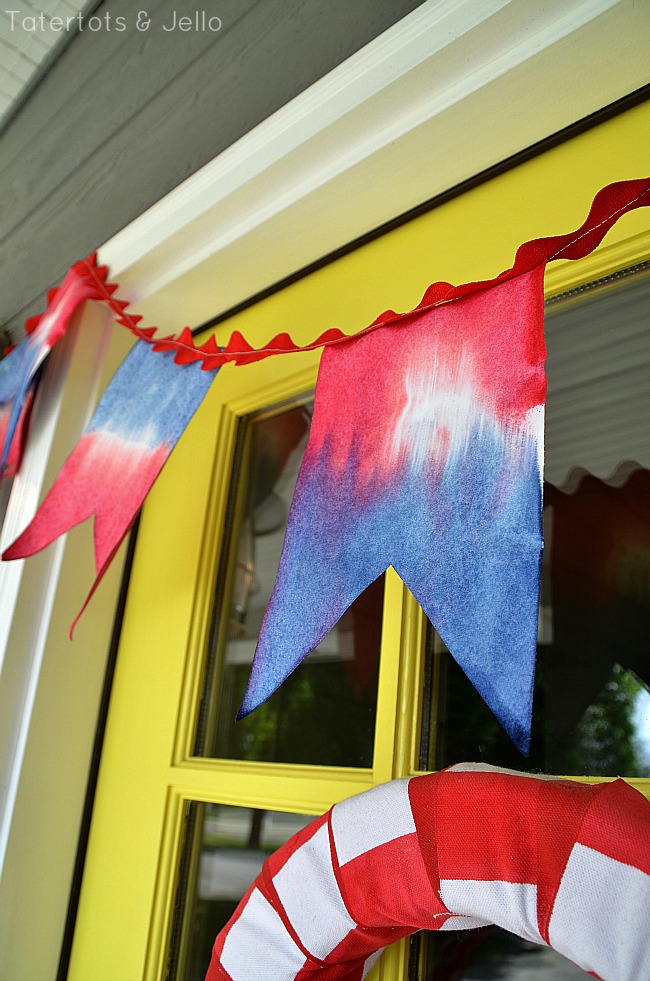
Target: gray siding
<point x="124" y="116"/>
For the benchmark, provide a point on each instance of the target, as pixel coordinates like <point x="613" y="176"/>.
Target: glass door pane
<point x="591" y="710"/>
<point x="487" y="955"/>
<point x="223" y="854"/>
<point x="324" y="713"/>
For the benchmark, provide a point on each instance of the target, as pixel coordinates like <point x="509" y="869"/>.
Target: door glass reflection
<point x="591" y="709"/>
<point x="223" y="854"/>
<point x="486" y="955"/>
<point x="324" y="713"/>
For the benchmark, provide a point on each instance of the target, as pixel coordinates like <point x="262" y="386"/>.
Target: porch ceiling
<point x="29" y="45"/>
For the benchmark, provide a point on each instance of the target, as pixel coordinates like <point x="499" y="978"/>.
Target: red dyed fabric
<point x="19" y="368"/>
<point x="13" y="434"/>
<point x="142" y="414"/>
<point x="553" y="861"/>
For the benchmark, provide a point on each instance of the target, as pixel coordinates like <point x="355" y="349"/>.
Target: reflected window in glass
<point x="486" y="954"/>
<point x="591" y="706"/>
<point x="324" y="713"/>
<point x="225" y="848"/>
<point x="591" y="711"/>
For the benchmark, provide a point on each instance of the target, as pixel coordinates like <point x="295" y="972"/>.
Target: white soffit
<point x="453" y="88"/>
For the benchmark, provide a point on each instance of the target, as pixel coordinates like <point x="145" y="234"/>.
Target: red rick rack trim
<point x="608" y="206"/>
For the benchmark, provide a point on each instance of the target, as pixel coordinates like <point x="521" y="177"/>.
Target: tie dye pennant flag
<point x="19" y="368"/>
<point x="145" y="409"/>
<point x="17" y="380"/>
<point x="13" y="431"/>
<point x="433" y="466"/>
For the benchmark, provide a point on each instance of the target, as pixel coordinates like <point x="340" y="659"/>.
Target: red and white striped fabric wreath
<point x="553" y="861"/>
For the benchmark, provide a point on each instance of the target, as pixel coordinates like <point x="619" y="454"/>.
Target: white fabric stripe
<point x="370" y="819"/>
<point x="259" y="937"/>
<point x="487" y="768"/>
<point x="309" y="892"/>
<point x="463" y="923"/>
<point x="601" y="916"/>
<point x="512" y="905"/>
<point x="370" y="963"/>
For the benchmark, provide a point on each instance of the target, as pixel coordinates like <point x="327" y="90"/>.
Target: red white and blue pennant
<point x="431" y="465"/>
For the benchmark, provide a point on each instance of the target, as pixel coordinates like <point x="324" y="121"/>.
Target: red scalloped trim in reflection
<point x="608" y="206"/>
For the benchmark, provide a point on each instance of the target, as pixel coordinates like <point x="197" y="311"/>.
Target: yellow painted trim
<point x="199" y="640"/>
<point x="435" y="696"/>
<point x="165" y="888"/>
<point x="409" y="714"/>
<point x="393" y="963"/>
<point x="304" y="790"/>
<point x="642" y="784"/>
<point x="273" y="392"/>
<point x="607" y="260"/>
<point x="195" y="809"/>
<point x="226" y="430"/>
<point x="394" y="594"/>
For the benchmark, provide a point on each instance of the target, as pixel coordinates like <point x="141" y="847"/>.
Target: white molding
<point x="455" y="87"/>
<point x="27" y="601"/>
<point x="50" y="687"/>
